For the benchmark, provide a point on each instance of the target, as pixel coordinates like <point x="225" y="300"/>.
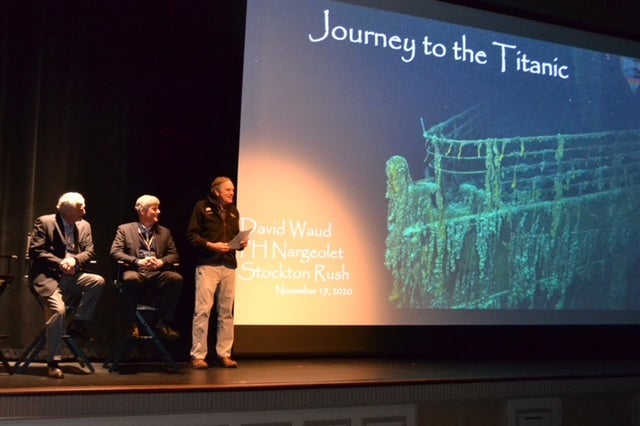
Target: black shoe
<point x="77" y="330"/>
<point x="167" y="332"/>
<point x="54" y="371"/>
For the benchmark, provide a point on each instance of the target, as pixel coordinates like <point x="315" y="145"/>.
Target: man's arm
<point x="39" y="244"/>
<point x="194" y="230"/>
<point x="118" y="250"/>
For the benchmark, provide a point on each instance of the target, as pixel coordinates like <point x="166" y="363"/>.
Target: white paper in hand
<point x="242" y="235"/>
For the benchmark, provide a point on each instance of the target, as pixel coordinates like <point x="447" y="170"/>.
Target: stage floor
<point x="256" y="374"/>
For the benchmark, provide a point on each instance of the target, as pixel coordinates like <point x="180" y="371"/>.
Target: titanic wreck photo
<point x="504" y="220"/>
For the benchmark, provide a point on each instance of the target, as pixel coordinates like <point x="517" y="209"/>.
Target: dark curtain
<point x="113" y="99"/>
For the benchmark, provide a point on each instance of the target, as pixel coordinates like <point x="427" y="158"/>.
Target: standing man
<point x="60" y="246"/>
<point x="147" y="253"/>
<point x="214" y="222"/>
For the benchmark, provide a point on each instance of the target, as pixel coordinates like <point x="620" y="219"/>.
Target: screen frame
<point x="575" y="339"/>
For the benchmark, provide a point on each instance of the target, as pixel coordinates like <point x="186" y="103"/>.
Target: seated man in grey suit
<point x="147" y="252"/>
<point x="60" y="246"/>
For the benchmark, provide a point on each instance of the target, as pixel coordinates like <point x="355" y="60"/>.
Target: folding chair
<point x="145" y="316"/>
<point x="40" y="341"/>
<point x="6" y="278"/>
<point x="32" y="351"/>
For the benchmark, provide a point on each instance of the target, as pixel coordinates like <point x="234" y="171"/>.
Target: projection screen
<point x="435" y="165"/>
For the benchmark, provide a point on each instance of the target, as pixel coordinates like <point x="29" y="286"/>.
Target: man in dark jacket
<point x="61" y="245"/>
<point x="146" y="253"/>
<point x="215" y="221"/>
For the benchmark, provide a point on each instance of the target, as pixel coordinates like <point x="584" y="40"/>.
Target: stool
<point x="145" y="316"/>
<point x="148" y="334"/>
<point x="39" y="342"/>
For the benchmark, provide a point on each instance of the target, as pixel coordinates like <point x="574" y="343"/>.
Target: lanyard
<point x="69" y="238"/>
<point x="148" y="241"/>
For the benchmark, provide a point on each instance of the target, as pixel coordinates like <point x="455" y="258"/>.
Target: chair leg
<point x="38" y="344"/>
<point x="129" y="344"/>
<point x="78" y="353"/>
<point x="166" y="356"/>
<point x="113" y="362"/>
<point x="5" y="363"/>
<point x="30" y="353"/>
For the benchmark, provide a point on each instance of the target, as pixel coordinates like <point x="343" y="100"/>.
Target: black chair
<point x="32" y="351"/>
<point x="39" y="342"/>
<point x="145" y="318"/>
<point x="6" y="278"/>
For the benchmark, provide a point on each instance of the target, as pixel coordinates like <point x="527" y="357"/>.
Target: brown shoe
<point x="132" y="332"/>
<point x="227" y="362"/>
<point x="55" y="372"/>
<point x="199" y="364"/>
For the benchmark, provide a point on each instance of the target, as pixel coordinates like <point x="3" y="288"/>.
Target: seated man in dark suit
<point x="147" y="253"/>
<point x="60" y="246"/>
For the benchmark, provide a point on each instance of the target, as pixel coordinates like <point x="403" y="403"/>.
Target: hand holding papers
<point x="242" y="235"/>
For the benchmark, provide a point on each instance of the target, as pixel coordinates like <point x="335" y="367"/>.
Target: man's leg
<point x="131" y="287"/>
<point x="54" y="312"/>
<point x="86" y="287"/>
<point x="169" y="288"/>
<point x="168" y="285"/>
<point x="91" y="286"/>
<point x="226" y="296"/>
<point x="206" y="278"/>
